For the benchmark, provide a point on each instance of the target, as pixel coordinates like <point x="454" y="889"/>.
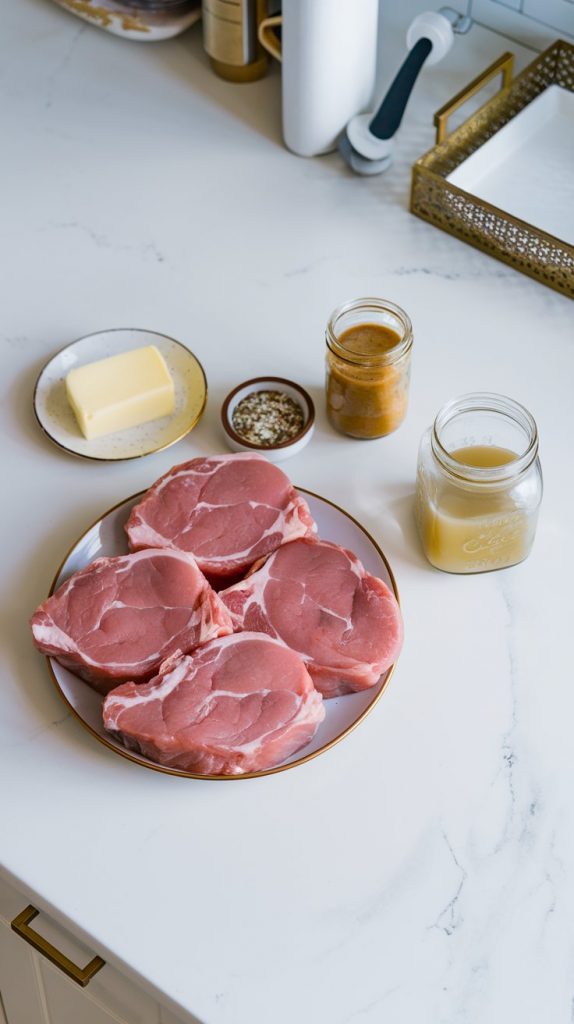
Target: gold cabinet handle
<point x="81" y="975"/>
<point x="503" y="65"/>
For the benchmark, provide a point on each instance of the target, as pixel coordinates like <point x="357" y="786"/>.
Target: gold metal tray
<point x="542" y="256"/>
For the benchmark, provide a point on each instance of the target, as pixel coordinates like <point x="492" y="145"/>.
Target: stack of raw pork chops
<point x="217" y="639"/>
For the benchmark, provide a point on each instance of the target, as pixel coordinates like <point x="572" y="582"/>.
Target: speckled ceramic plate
<point x="107" y="537"/>
<point x="55" y="416"/>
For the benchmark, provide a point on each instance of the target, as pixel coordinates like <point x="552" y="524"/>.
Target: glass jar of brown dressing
<point x="369" y="343"/>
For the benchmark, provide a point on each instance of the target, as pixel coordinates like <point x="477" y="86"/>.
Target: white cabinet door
<point x="70" y="1004"/>
<point x="108" y="992"/>
<point x="35" y="991"/>
<point x="21" y="996"/>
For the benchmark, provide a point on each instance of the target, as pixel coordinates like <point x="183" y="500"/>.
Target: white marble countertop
<point x="421" y="870"/>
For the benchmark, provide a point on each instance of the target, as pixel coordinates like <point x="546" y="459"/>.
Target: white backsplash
<point x="536" y="23"/>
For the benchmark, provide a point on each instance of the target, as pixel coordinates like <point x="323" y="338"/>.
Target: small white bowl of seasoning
<point x="270" y="415"/>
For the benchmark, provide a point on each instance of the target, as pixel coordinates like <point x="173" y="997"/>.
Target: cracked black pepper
<point x="267" y="418"/>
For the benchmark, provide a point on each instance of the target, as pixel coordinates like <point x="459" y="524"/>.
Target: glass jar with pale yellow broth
<point x="479" y="485"/>
<point x="369" y="344"/>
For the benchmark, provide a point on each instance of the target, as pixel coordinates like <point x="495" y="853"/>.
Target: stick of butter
<point x="121" y="391"/>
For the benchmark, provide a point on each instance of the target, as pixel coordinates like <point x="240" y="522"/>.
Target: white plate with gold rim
<point x="55" y="416"/>
<point x="107" y="537"/>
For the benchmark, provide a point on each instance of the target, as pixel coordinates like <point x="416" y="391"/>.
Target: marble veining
<point x="61" y="66"/>
<point x="449" y="917"/>
<point x="147" y="250"/>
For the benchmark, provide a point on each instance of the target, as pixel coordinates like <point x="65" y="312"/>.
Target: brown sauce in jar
<point x="369" y="339"/>
<point x="366" y="394"/>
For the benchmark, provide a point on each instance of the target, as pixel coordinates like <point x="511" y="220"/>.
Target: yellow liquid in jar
<point x="483" y="456"/>
<point x="472" y="530"/>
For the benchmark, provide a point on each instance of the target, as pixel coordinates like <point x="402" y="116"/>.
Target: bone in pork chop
<point x="119" y="618"/>
<point x="240" y="704"/>
<point x="317" y="598"/>
<point x="226" y="510"/>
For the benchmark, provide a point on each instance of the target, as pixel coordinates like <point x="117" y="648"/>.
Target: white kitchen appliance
<point x="328" y="50"/>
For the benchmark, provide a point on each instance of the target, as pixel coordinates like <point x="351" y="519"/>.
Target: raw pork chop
<point x="240" y="704"/>
<point x="119" y="618"/>
<point x="317" y="598"/>
<point x="226" y="510"/>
